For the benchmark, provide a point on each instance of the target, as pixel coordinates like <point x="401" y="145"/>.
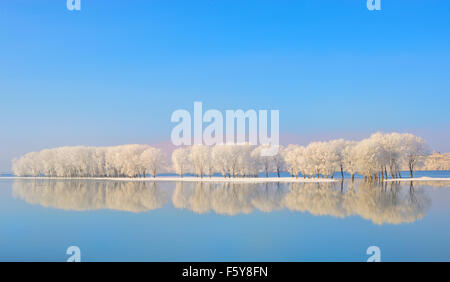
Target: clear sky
<point x="114" y="72"/>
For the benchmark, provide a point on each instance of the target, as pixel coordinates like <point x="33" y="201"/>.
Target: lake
<point x="175" y="221"/>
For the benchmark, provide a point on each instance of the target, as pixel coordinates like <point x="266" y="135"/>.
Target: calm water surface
<point x="146" y="221"/>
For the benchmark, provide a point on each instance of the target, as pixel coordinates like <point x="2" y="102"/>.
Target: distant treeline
<point x="436" y="161"/>
<point x="377" y="157"/>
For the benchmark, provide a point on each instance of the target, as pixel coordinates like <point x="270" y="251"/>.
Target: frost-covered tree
<point x="321" y="159"/>
<point x="220" y="158"/>
<point x="152" y="160"/>
<point x="278" y="161"/>
<point x="414" y="149"/>
<point x="247" y="164"/>
<point x="367" y="160"/>
<point x="338" y="146"/>
<point x="349" y="159"/>
<point x="131" y="161"/>
<point x="392" y="150"/>
<point x="200" y="157"/>
<point x="290" y="157"/>
<point x="181" y="160"/>
<point x="265" y="163"/>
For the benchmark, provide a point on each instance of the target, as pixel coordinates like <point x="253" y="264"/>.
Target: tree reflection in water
<point x="387" y="203"/>
<point x="85" y="195"/>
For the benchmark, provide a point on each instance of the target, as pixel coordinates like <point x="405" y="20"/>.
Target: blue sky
<point x="114" y="72"/>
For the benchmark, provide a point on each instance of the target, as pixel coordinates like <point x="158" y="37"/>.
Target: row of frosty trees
<point x="378" y="157"/>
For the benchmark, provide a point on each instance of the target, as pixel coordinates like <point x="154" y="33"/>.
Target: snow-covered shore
<point x="188" y="179"/>
<point x="417" y="179"/>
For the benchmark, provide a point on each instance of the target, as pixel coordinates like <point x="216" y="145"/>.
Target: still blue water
<point x="168" y="221"/>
